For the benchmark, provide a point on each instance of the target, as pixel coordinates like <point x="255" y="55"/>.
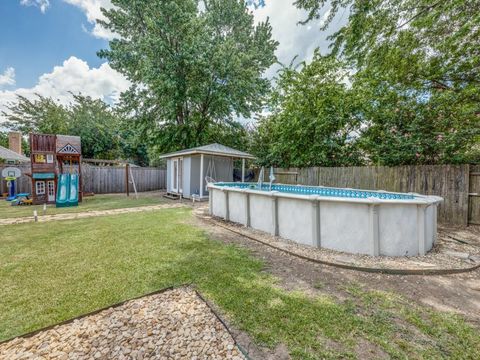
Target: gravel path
<point x="456" y="248"/>
<point x="87" y="214"/>
<point x="176" y="324"/>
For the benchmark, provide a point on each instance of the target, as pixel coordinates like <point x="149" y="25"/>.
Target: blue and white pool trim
<point x="349" y="220"/>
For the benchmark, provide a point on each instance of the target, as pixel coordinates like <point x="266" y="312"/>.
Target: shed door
<point x="180" y="175"/>
<point x="175" y="175"/>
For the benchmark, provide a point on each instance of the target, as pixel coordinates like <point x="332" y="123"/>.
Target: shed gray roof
<point x="10" y="155"/>
<point x="211" y="149"/>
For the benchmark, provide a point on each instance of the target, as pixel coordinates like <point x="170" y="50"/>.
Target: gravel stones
<point x="447" y="254"/>
<point x="176" y="324"/>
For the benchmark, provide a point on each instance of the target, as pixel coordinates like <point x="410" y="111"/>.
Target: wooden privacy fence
<point x="459" y="185"/>
<point x="103" y="179"/>
<point x="112" y="179"/>
<point x="474" y="195"/>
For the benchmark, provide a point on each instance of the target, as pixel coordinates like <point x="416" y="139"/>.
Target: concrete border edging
<point x="344" y="266"/>
<point x="215" y="313"/>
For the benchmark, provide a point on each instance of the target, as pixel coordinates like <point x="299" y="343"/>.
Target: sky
<point x="49" y="47"/>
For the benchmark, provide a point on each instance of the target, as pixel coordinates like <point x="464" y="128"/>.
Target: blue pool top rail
<point x="321" y="191"/>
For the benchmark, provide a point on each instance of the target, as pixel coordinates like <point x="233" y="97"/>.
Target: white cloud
<point x="92" y="11"/>
<point x="8" y="77"/>
<point x="41" y="4"/>
<point x="75" y="76"/>
<point x="91" y="8"/>
<point x="294" y="38"/>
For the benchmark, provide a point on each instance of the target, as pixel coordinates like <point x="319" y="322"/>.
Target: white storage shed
<point x="187" y="169"/>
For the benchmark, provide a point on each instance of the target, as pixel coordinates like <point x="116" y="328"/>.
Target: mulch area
<point x="176" y="324"/>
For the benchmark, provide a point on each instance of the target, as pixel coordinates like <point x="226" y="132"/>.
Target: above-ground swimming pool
<point x="354" y="221"/>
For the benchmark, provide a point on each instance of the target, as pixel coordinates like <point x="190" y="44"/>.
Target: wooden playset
<point x="56" y="169"/>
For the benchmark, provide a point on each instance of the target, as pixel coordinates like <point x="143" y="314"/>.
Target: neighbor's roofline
<point x="206" y="152"/>
<point x="9" y="155"/>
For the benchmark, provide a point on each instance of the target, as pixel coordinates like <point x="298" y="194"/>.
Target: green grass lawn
<point x="97" y="202"/>
<point x="54" y="271"/>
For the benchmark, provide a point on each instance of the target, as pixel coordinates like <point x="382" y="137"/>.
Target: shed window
<point x="40" y="187"/>
<point x="49" y="159"/>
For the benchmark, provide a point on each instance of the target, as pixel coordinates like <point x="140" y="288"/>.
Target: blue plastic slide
<point x="73" y="193"/>
<point x="67" y="190"/>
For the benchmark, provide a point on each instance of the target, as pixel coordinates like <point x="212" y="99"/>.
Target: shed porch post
<point x="243" y="170"/>
<point x="201" y="176"/>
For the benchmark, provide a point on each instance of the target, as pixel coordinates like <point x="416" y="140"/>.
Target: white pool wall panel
<point x="237" y="207"/>
<point x="398" y="229"/>
<point x="295" y="221"/>
<point x="344" y="227"/>
<point x="261" y="214"/>
<point x="218" y="203"/>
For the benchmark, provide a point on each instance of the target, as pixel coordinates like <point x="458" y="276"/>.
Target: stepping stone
<point x="457" y="254"/>
<point x="344" y="260"/>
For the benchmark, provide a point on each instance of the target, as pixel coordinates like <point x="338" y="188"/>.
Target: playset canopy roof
<point x="68" y="145"/>
<point x="211" y="149"/>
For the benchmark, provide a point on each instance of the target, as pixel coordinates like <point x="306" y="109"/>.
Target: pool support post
<point x="227" y="207"/>
<point x="274" y="213"/>
<point x="316" y="234"/>
<point x="210" y="202"/>
<point x="421" y="228"/>
<point x="247" y="209"/>
<point x="374" y="228"/>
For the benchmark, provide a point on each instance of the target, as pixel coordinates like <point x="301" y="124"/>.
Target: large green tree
<point x="4" y="139"/>
<point x="195" y="66"/>
<point x="94" y="121"/>
<point x="97" y="125"/>
<point x="417" y="68"/>
<point x="40" y="114"/>
<point x="313" y="120"/>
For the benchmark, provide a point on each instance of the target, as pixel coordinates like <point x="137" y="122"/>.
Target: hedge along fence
<point x="103" y="179"/>
<point x="452" y="182"/>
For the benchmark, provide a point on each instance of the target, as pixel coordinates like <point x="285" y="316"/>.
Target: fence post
<point x="126" y="180"/>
